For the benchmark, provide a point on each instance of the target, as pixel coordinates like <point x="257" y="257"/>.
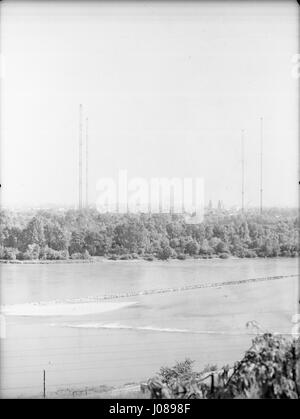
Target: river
<point x="53" y="319"/>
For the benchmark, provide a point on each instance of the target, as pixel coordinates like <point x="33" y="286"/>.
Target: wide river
<point x="54" y="319"/>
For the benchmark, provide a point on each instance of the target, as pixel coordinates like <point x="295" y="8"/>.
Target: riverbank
<point x="127" y="391"/>
<point x="109" y="258"/>
<point x="44" y="262"/>
<point x="101" y="259"/>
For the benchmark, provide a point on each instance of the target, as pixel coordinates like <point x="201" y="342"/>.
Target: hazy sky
<point x="167" y="88"/>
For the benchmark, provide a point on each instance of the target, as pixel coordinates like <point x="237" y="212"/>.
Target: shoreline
<point x="100" y="259"/>
<point x="44" y="262"/>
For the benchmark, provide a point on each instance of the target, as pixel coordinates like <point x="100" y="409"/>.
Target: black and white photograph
<point x="149" y="219"/>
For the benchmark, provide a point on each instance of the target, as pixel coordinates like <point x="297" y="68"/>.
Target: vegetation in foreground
<point x="55" y="235"/>
<point x="270" y="369"/>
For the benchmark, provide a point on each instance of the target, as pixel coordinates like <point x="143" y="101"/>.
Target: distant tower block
<point x="210" y="205"/>
<point x="80" y="160"/>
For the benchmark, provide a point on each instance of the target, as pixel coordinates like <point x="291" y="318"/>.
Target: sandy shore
<point x="62" y="309"/>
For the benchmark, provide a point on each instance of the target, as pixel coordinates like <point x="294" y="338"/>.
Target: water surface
<point x="89" y="343"/>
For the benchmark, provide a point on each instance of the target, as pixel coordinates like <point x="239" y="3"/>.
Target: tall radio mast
<point x="80" y="160"/>
<point x="261" y="165"/>
<point x="87" y="162"/>
<point x="243" y="170"/>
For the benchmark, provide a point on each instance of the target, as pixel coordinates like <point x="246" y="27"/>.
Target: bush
<point x="51" y="254"/>
<point x="270" y="369"/>
<point x="249" y="253"/>
<point x="86" y="255"/>
<point x="149" y="258"/>
<point x="165" y="253"/>
<point x="9" y="253"/>
<point x="178" y="370"/>
<point x="222" y="248"/>
<point x="2" y="252"/>
<point x="205" y="249"/>
<point x="32" y="252"/>
<point x="113" y="257"/>
<point x="125" y="257"/>
<point x="77" y="255"/>
<point x="223" y="255"/>
<point x="192" y="248"/>
<point x="21" y="256"/>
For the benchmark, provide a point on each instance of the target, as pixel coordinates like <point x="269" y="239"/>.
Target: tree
<point x="165" y="253"/>
<point x="56" y="237"/>
<point x="51" y="254"/>
<point x="192" y="248"/>
<point x="32" y="252"/>
<point x="97" y="243"/>
<point x="222" y="247"/>
<point x="12" y="237"/>
<point x="77" y="242"/>
<point x="269" y="368"/>
<point x="34" y="233"/>
<point x="205" y="248"/>
<point x="131" y="237"/>
<point x="275" y="233"/>
<point x="214" y="242"/>
<point x="9" y="253"/>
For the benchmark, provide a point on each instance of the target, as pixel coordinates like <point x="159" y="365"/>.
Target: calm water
<point x="127" y="340"/>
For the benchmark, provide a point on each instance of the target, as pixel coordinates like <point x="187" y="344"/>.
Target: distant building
<point x="220" y="205"/>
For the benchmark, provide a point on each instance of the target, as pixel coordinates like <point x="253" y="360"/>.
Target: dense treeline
<point x="81" y="234"/>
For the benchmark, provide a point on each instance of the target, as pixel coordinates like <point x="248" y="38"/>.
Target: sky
<point x="167" y="88"/>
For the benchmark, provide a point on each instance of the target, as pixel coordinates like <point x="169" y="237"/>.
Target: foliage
<point x="148" y="236"/>
<point x="32" y="252"/>
<point x="269" y="369"/>
<point x="8" y="253"/>
<point x="178" y="370"/>
<point x="51" y="254"/>
<point x="78" y="255"/>
<point x="223" y="255"/>
<point x="165" y="253"/>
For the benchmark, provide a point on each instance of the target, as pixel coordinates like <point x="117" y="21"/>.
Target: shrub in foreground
<point x="270" y="369"/>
